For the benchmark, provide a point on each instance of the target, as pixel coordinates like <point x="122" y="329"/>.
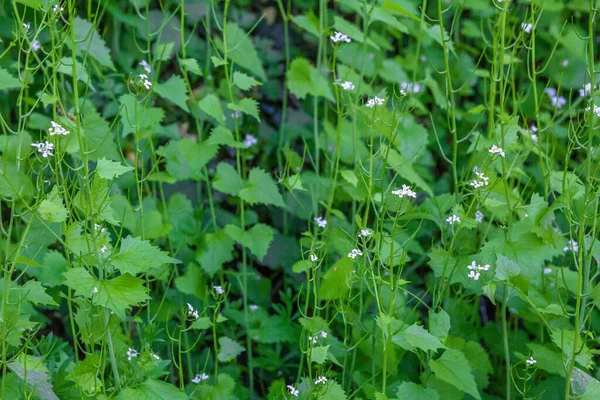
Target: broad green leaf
<point x="186" y="158"/>
<point x="452" y="367"/>
<point x="175" y="91"/>
<point x="276" y="329"/>
<point x="32" y="370"/>
<point x="439" y="324"/>
<point x="405" y="169"/>
<point x="35" y="293"/>
<point x="223" y="136"/>
<point x="334" y="284"/>
<point x="547" y="359"/>
<point x="90" y="42"/>
<point x="412" y="391"/>
<point x="108" y="169"/>
<point x="257" y="239"/>
<point x="303" y="79"/>
<point x="247" y="106"/>
<point x="121" y="293"/>
<point x="211" y="105"/>
<point x="416" y="337"/>
<point x="242" y="51"/>
<point x="191" y="65"/>
<point x="332" y="391"/>
<point x="52" y="208"/>
<point x="309" y="22"/>
<point x="36" y="4"/>
<point x="201" y="323"/>
<point x="7" y="81"/>
<point x="506" y="268"/>
<point x="227" y="179"/>
<point x="81" y="281"/>
<point x="229" y="349"/>
<point x="66" y="67"/>
<point x="352" y="31"/>
<point x="243" y="81"/>
<point x="85" y="374"/>
<point x="98" y="140"/>
<point x="163" y="51"/>
<point x="216" y="251"/>
<point x="135" y="117"/>
<point x="260" y="188"/>
<point x="318" y="354"/>
<point x="193" y="282"/>
<point x="350" y="177"/>
<point x="152" y="390"/>
<point x="139" y="256"/>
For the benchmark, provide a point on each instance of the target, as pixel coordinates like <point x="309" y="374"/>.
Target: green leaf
<point x="547" y="359"/>
<point x="163" y="51"/>
<point x="66" y="67"/>
<point x="303" y="79"/>
<point x="193" y="282"/>
<point x="452" y="367"/>
<point x="332" y="391"/>
<point x="227" y="179"/>
<point x="439" y="324"/>
<point x="242" y="51"/>
<point x="152" y="390"/>
<point x="191" y="65"/>
<point x="89" y="41"/>
<point x="139" y="256"/>
<point x="309" y="22"/>
<point x="37" y="4"/>
<point x="32" y="370"/>
<point x="81" y="281"/>
<point x="416" y="337"/>
<point x="257" y="239"/>
<point x="223" y="136"/>
<point x="202" y="323"/>
<point x="175" y="91"/>
<point x="7" y="81"/>
<point x="260" y="188"/>
<point x="243" y="81"/>
<point x="121" y="293"/>
<point x="108" y="169"/>
<point x="506" y="268"/>
<point x="405" y="169"/>
<point x="319" y="354"/>
<point x="276" y="329"/>
<point x="412" y="391"/>
<point x="149" y="118"/>
<point x="35" y="293"/>
<point x="211" y="105"/>
<point x="335" y="281"/>
<point x="85" y="374"/>
<point x="52" y="208"/>
<point x="216" y="251"/>
<point x="247" y="106"/>
<point x="186" y="158"/>
<point x="229" y="349"/>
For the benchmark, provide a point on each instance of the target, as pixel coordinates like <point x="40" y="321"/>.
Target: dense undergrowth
<point x="359" y="199"/>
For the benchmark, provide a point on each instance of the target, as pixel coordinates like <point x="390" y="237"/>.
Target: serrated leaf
<point x="318" y="354"/>
<point x="81" y="281"/>
<point x="35" y="293"/>
<point x="175" y="91"/>
<point x="405" y="169"/>
<point x="332" y="391"/>
<point x="334" y="284"/>
<point x="85" y="374"/>
<point x="211" y="105"/>
<point x="303" y="79"/>
<point x="227" y="179"/>
<point x="223" y="136"/>
<point x="7" y="81"/>
<point x="90" y="42"/>
<point x="52" y="208"/>
<point x="242" y="51"/>
<point x="243" y="81"/>
<point x="121" y="293"/>
<point x="162" y="51"/>
<point x="452" y="367"/>
<point x="247" y="106"/>
<point x="257" y="239"/>
<point x="216" y="251"/>
<point x="186" y="158"/>
<point x="412" y="391"/>
<point x="191" y="65"/>
<point x="201" y="323"/>
<point x="229" y="349"/>
<point x="152" y="390"/>
<point x="506" y="268"/>
<point x="139" y="256"/>
<point x="416" y="337"/>
<point x="260" y="188"/>
<point x="217" y="61"/>
<point x="108" y="169"/>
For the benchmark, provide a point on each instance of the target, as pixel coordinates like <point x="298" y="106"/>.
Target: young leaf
<point x="318" y="354"/>
<point x="89" y="41"/>
<point x="139" y="256"/>
<point x="247" y="106"/>
<point x="452" y="367"/>
<point x="7" y="81"/>
<point x="162" y="51"/>
<point x="223" y="136"/>
<point x="175" y="91"/>
<point x="506" y="268"/>
<point x="108" y="169"/>
<point x="257" y="239"/>
<point x="121" y="293"/>
<point x="229" y="349"/>
<point x="227" y="179"/>
<point x="192" y="65"/>
<point x="243" y="81"/>
<point x="216" y="251"/>
<point x="416" y="337"/>
<point x="303" y="79"/>
<point x="242" y="51"/>
<point x="211" y="105"/>
<point x="260" y="188"/>
<point x="52" y="208"/>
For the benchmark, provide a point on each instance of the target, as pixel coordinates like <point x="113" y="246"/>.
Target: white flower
<point x="365" y="233"/>
<point x="346" y="85"/>
<point x="565" y="63"/>
<point x="557" y="101"/>
<point x="57" y="8"/>
<point x="132" y="353"/>
<point x="314" y="258"/>
<point x="375" y="101"/>
<point x="144" y="80"/>
<point x="35" y="45"/>
<point x="497" y="150"/>
<point x="479" y="216"/>
<point x="481" y="180"/>
<point x="405" y="191"/>
<point x="219" y="289"/>
<point x="321" y="380"/>
<point x="586" y="90"/>
<point x="596" y="110"/>
<point x="103" y="249"/>
<point x="452" y="219"/>
<point x="572" y="245"/>
<point x="200" y="378"/>
<point x="293" y="391"/>
<point x="144" y="64"/>
<point x="355" y="253"/>
<point x="474" y="275"/>
<point x="95" y="290"/>
<point x="408" y="87"/>
<point x="547" y="271"/>
<point x="323" y="334"/>
<point x="250" y="140"/>
<point x="45" y="148"/>
<point x="192" y="312"/>
<point x="526" y="27"/>
<point x="57" y="129"/>
<point x="321" y="222"/>
<point x="155" y="356"/>
<point x="531" y="361"/>
<point x="474" y="270"/>
<point x="339" y="37"/>
<point x="26" y="25"/>
<point x="253" y="307"/>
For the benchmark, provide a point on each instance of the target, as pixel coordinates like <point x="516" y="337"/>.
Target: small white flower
<point x="572" y="245"/>
<point x="531" y="361"/>
<point x="375" y="101"/>
<point x="497" y="150"/>
<point x="26" y="25"/>
<point x="132" y="353"/>
<point x="192" y="312"/>
<point x="547" y="271"/>
<point x="347" y="85"/>
<point x="321" y="380"/>
<point x="321" y="222"/>
<point x="339" y="37"/>
<point x="250" y="140"/>
<point x="293" y="391"/>
<point x="95" y="290"/>
<point x="219" y="289"/>
<point x="596" y="110"/>
<point x="57" y="129"/>
<point x="103" y="249"/>
<point x="474" y="275"/>
<point x="323" y="334"/>
<point x="556" y="101"/>
<point x="253" y="307"/>
<point x="405" y="191"/>
<point x="35" y="45"/>
<point x="45" y="148"/>
<point x="452" y="219"/>
<point x="565" y="63"/>
<point x="144" y="80"/>
<point x="155" y="356"/>
<point x="57" y="8"/>
<point x="200" y="378"/>
<point x="144" y="64"/>
<point x="481" y="180"/>
<point x="586" y="90"/>
<point x="526" y="27"/>
<point x="355" y="253"/>
<point x="365" y="233"/>
<point x="408" y="87"/>
<point x="314" y="258"/>
<point x="479" y="216"/>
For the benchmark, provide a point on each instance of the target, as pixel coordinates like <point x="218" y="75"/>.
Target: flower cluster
<point x="596" y="110"/>
<point x="587" y="90"/>
<point x="339" y="37"/>
<point x="132" y="353"/>
<point x="219" y="289"/>
<point x="572" y="245"/>
<point x="192" y="312"/>
<point x="250" y="140"/>
<point x="144" y="80"/>
<point x="365" y="233"/>
<point x="533" y="133"/>
<point x="527" y="27"/>
<point x="405" y="191"/>
<point x="144" y="64"/>
<point x="35" y="45"/>
<point x="531" y="361"/>
<point x="376" y="101"/>
<point x="314" y="258"/>
<point x="200" y="378"/>
<point x="314" y="339"/>
<point x="293" y="391"/>
<point x="321" y="380"/>
<point x="557" y="101"/>
<point x="497" y="150"/>
<point x="57" y="129"/>
<point x="45" y="148"/>
<point x="346" y="85"/>
<point x="480" y="181"/>
<point x="452" y="219"/>
<point x="321" y="222"/>
<point x="479" y="216"/>
<point x="253" y="307"/>
<point x="474" y="270"/>
<point x="26" y="25"/>
<point x="355" y="253"/>
<point x="408" y="87"/>
<point x="58" y="8"/>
